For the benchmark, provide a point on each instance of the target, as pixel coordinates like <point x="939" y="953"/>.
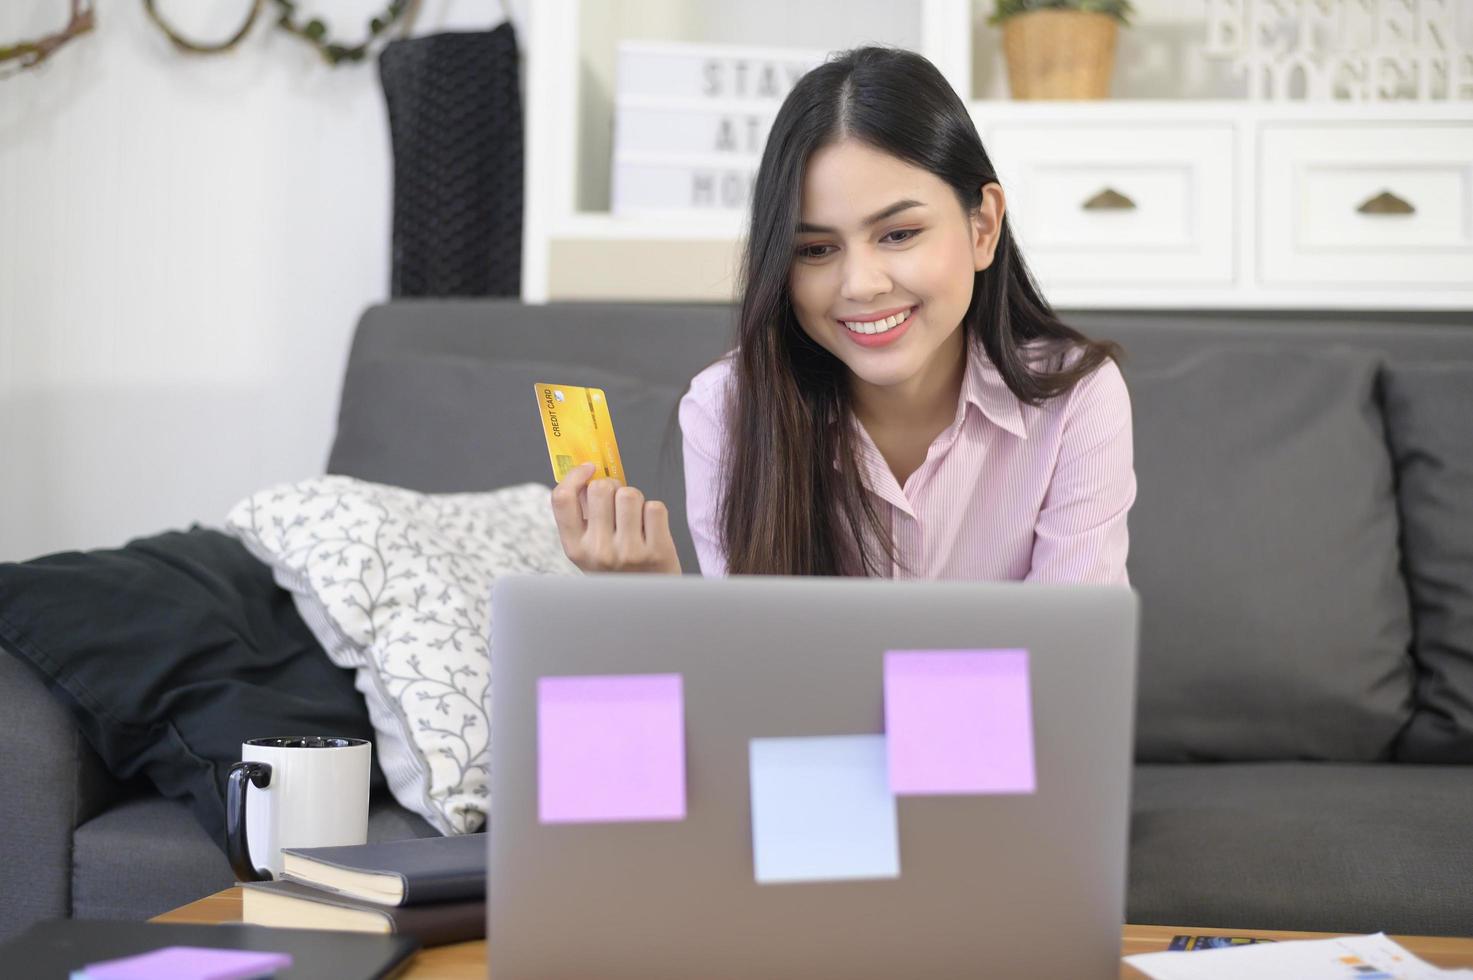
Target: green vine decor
<point x="29" y="54"/>
<point x="313" y="31"/>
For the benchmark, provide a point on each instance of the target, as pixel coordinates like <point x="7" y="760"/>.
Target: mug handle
<point x="236" y="843"/>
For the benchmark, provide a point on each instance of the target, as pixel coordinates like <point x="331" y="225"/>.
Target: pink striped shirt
<point x="1007" y="492"/>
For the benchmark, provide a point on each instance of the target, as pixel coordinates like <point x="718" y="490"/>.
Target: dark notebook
<point x="52" y="950"/>
<point x="292" y="905"/>
<point x="396" y="872"/>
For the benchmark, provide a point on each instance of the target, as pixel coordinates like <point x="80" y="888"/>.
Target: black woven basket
<point x="455" y="119"/>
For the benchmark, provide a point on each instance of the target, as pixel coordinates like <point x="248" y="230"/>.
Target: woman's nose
<point x="864" y="277"/>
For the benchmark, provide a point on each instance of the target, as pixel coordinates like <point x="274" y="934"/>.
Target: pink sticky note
<point x="610" y="748"/>
<point x="958" y="721"/>
<point x="190" y="963"/>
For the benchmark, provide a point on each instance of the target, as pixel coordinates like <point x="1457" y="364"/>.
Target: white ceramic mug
<point x="294" y="791"/>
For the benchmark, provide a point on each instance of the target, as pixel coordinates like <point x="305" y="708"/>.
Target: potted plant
<point x="1060" y="49"/>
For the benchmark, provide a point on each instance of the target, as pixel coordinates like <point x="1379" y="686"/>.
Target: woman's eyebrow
<point x="878" y="216"/>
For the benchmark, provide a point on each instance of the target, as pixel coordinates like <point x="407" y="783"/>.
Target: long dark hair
<point x="785" y="509"/>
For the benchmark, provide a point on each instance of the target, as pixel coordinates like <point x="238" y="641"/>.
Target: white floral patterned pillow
<point x="397" y="585"/>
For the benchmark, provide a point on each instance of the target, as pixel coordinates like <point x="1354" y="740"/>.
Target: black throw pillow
<point x="169" y="652"/>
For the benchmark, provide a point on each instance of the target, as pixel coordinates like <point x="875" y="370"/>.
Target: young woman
<point x="902" y="401"/>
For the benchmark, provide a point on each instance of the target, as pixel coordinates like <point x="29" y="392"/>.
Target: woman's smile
<point x="879" y="333"/>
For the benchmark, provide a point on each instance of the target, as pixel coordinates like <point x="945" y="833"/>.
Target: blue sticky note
<point x="822" y="809"/>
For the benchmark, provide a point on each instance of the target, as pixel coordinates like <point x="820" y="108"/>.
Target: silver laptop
<point x="777" y="854"/>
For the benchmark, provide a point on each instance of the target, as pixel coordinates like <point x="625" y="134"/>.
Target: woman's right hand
<point x="609" y="527"/>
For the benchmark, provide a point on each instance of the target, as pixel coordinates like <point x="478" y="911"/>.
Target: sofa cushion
<point x="452" y="424"/>
<point x="397" y="585"/>
<point x="171" y="651"/>
<point x="1337" y="847"/>
<point x="1274" y="620"/>
<point x="53" y="779"/>
<point x="1429" y="420"/>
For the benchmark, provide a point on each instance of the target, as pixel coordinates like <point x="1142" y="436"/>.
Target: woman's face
<point x="917" y="260"/>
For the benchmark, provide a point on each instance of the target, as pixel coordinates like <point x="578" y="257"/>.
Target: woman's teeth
<point x="879" y="326"/>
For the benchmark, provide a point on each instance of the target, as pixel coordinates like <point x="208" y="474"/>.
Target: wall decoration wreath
<point x="29" y="54"/>
<point x="314" y="31"/>
<point x="22" y="55"/>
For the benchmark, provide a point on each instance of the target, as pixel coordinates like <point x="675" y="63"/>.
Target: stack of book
<point x="690" y="122"/>
<point x="431" y="888"/>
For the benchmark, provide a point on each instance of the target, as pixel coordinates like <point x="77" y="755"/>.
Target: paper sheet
<point x="1372" y="957"/>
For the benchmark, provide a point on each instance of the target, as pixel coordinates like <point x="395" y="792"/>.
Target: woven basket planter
<point x="1059" y="54"/>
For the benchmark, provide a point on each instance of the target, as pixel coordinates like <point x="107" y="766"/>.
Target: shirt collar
<point x="983" y="386"/>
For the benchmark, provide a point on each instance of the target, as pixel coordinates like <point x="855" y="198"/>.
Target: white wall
<point x="185" y="246"/>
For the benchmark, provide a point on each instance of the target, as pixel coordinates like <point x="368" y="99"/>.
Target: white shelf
<point x="571" y="45"/>
<point x="1194" y="110"/>
<point x="574" y="248"/>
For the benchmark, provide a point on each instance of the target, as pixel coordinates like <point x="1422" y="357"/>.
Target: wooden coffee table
<point x="464" y="961"/>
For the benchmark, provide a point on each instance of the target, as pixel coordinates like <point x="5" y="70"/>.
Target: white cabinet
<point x="1366" y="205"/>
<point x="1128" y="205"/>
<point x="1232" y="205"/>
<point x="1117" y="204"/>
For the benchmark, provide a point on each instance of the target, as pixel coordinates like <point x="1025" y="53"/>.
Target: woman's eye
<point x="819" y="251"/>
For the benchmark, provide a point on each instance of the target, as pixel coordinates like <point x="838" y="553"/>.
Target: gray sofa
<point x="1264" y="795"/>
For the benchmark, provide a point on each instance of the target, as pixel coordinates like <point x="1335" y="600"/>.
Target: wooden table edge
<point x="458" y="959"/>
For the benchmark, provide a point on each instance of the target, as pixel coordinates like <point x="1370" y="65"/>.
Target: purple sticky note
<point x="190" y="963"/>
<point x="959" y="721"/>
<point x="610" y="748"/>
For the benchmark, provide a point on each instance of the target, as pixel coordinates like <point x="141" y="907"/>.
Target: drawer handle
<point x="1386" y="203"/>
<point x="1109" y="200"/>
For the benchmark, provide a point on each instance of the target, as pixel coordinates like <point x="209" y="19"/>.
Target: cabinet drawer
<point x="1372" y="205"/>
<point x="1104" y="205"/>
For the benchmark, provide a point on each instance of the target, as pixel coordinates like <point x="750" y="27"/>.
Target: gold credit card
<point x="579" y="430"/>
